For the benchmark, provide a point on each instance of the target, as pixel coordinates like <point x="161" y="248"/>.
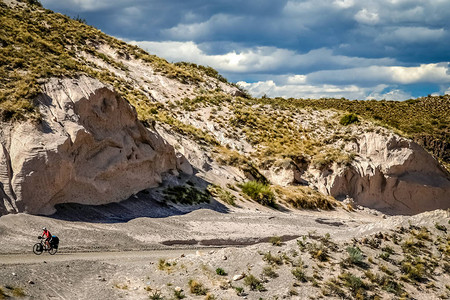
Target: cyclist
<point x="48" y="237"/>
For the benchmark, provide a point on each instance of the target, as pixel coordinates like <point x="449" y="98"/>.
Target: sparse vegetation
<point x="222" y="194"/>
<point x="275" y="241"/>
<point x="186" y="194"/>
<point x="302" y="197"/>
<point x="299" y="274"/>
<point x="197" y="288"/>
<point x="253" y="283"/>
<point x="272" y="259"/>
<point x="261" y="193"/>
<point x="268" y="271"/>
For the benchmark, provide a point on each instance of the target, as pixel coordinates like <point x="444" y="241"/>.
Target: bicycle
<point x="40" y="247"/>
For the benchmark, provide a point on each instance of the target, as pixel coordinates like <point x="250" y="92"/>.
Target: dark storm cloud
<point x="326" y="41"/>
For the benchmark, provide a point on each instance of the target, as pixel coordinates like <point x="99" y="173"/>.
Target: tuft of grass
<point x="303" y="197"/>
<point x="239" y="290"/>
<point x="156" y="295"/>
<point x="440" y="227"/>
<point x="254" y="283"/>
<point x="299" y="274"/>
<point x="210" y="297"/>
<point x="275" y="241"/>
<point x="269" y="272"/>
<point x="222" y="194"/>
<point x="272" y="259"/>
<point x="197" y="288"/>
<point x="163" y="264"/>
<point x="318" y="251"/>
<point x="260" y="192"/>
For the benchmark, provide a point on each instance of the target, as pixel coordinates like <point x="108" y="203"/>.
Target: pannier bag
<point x="55" y="242"/>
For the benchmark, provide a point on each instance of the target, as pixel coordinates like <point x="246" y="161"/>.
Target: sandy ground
<point x="109" y="252"/>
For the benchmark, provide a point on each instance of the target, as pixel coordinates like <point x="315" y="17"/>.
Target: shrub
<point x="178" y="294"/>
<point x="269" y="272"/>
<point x="254" y="283"/>
<point x="260" y="192"/>
<point x="221" y="272"/>
<point x="186" y="195"/>
<point x="348" y="119"/>
<point x="318" y="251"/>
<point x="413" y="271"/>
<point x="355" y="255"/>
<point x="239" y="290"/>
<point x="223" y="195"/>
<point x="197" y="288"/>
<point x="273" y="259"/>
<point x="156" y="295"/>
<point x="275" y="240"/>
<point x="299" y="274"/>
<point x="354" y="283"/>
<point x="302" y="197"/>
<point x="163" y="264"/>
<point x="440" y="227"/>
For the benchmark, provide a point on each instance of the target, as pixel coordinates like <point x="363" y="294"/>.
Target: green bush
<point x="261" y="193"/>
<point x="355" y="256"/>
<point x="186" y="195"/>
<point x="221" y="272"/>
<point x="348" y="119"/>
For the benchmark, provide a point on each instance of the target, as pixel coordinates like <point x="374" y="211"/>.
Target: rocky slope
<point x="81" y="140"/>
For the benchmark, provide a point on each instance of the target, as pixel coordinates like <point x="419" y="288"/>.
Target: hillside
<point x="164" y="181"/>
<point x="278" y="152"/>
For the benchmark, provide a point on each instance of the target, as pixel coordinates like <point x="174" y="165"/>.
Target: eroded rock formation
<point x="89" y="148"/>
<point x="389" y="173"/>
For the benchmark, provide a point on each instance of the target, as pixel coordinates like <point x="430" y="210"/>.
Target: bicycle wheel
<point x="52" y="251"/>
<point x="38" y="249"/>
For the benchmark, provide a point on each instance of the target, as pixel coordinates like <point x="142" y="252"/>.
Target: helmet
<point x="44" y="228"/>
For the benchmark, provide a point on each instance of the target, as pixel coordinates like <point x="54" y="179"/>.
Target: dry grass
<point x="302" y="197"/>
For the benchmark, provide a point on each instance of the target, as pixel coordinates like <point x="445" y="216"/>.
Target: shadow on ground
<point x="148" y="203"/>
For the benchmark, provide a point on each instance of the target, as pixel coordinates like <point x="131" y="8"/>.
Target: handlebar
<point x="39" y="237"/>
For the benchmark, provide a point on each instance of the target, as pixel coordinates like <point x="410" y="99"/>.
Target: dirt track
<point x="152" y="255"/>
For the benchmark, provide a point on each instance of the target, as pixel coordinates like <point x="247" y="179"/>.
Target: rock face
<point x="390" y="173"/>
<point x="89" y="148"/>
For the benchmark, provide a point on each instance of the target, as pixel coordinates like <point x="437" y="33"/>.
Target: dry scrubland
<point x="371" y="262"/>
<point x="236" y="143"/>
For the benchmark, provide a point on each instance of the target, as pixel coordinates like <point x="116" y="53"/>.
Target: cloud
<point x="259" y="59"/>
<point x="367" y="17"/>
<point x="424" y="73"/>
<point x="412" y="35"/>
<point x="351" y="48"/>
<point x="273" y="89"/>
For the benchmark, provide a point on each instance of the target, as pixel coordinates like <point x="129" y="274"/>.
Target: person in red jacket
<point x="48" y="237"/>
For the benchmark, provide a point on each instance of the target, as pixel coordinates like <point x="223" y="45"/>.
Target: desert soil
<point x="110" y="253"/>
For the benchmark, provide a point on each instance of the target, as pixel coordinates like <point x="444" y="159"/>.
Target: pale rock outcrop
<point x="392" y="174"/>
<point x="389" y="173"/>
<point x="89" y="148"/>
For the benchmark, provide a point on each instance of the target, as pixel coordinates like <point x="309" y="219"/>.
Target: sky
<point x="356" y="49"/>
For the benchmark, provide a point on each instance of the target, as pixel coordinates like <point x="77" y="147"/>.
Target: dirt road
<point x="151" y="255"/>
